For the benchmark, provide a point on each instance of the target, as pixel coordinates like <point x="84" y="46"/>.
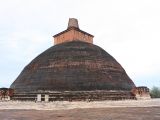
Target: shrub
<point x="155" y="92"/>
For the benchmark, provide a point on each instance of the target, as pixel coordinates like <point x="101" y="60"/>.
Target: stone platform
<point x="98" y="95"/>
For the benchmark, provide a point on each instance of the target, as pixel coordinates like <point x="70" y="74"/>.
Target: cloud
<point x="128" y="30"/>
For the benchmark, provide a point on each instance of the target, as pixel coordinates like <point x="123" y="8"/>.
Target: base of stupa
<point x="97" y="95"/>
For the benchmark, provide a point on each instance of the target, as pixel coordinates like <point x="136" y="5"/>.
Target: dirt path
<point x="133" y="113"/>
<point x="65" y="105"/>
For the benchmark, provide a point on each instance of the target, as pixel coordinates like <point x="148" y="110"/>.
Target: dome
<point x="73" y="66"/>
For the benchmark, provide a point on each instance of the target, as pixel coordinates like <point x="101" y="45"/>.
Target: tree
<point x="155" y="92"/>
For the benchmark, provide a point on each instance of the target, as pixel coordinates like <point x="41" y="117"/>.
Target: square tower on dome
<point x="73" y="33"/>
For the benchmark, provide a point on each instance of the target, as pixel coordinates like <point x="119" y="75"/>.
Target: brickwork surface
<point x="73" y="66"/>
<point x="72" y="35"/>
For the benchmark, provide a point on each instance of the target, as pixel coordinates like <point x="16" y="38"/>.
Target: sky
<point x="129" y="30"/>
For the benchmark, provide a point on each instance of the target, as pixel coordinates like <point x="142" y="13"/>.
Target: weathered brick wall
<point x="76" y="95"/>
<point x="73" y="66"/>
<point x="6" y="93"/>
<point x="72" y="35"/>
<point x="141" y="92"/>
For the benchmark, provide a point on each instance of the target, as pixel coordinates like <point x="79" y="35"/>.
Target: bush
<point x="155" y="92"/>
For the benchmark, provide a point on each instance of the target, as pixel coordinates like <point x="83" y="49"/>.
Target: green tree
<point x="155" y="92"/>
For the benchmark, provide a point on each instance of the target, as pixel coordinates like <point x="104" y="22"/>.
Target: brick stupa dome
<point x="73" y="64"/>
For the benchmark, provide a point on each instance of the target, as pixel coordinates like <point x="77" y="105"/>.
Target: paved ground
<point x="133" y="113"/>
<point x="65" y="105"/>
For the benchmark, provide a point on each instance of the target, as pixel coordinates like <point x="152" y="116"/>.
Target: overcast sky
<point x="127" y="29"/>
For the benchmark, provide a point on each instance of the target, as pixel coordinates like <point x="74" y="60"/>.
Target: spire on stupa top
<point x="73" y="23"/>
<point x="73" y="33"/>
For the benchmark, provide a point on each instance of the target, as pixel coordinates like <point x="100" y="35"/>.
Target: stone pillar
<point x="46" y="98"/>
<point x="39" y="97"/>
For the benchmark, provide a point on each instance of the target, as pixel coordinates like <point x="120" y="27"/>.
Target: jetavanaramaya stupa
<point x="73" y="69"/>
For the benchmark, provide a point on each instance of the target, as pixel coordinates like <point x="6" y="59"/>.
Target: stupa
<point x="73" y="69"/>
